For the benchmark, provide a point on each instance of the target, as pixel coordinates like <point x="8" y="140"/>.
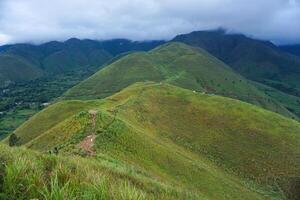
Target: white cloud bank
<point x="44" y="20"/>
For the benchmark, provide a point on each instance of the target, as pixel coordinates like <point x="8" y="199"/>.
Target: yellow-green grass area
<point x="164" y="160"/>
<point x="26" y="174"/>
<point x="177" y="64"/>
<point x="212" y="146"/>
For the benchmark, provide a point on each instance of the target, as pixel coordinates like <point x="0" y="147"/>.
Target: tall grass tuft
<point x="56" y="191"/>
<point x="127" y="191"/>
<point x="97" y="191"/>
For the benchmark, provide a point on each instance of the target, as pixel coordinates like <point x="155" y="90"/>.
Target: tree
<point x="13" y="139"/>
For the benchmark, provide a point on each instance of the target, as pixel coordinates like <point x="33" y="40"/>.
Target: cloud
<point x="44" y="20"/>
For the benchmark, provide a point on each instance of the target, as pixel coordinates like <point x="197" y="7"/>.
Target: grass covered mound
<point x="177" y="64"/>
<point x="211" y="146"/>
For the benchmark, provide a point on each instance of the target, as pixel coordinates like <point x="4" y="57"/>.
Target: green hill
<point x="256" y="60"/>
<point x="31" y="75"/>
<point x="211" y="146"/>
<point x="177" y="64"/>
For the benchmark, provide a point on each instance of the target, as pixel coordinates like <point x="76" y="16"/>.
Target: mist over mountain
<point x="41" y="21"/>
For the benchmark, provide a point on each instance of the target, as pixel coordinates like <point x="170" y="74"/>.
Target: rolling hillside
<point x="177" y="64"/>
<point x="211" y="146"/>
<point x="257" y="60"/>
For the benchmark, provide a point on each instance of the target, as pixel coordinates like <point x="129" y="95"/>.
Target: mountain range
<point x="257" y="60"/>
<point x="269" y="67"/>
<point x="34" y="61"/>
<point x="207" y="115"/>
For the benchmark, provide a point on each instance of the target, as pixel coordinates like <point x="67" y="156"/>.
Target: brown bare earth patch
<point x="88" y="143"/>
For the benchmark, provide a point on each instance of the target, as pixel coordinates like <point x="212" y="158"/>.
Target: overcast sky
<point x="43" y="20"/>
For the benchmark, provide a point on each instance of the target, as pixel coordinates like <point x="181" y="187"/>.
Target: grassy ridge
<point x="179" y="65"/>
<point x="213" y="146"/>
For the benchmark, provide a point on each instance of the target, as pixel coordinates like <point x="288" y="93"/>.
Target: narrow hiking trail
<point x="88" y="143"/>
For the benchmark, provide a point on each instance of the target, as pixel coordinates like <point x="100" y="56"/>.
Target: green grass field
<point x="209" y="146"/>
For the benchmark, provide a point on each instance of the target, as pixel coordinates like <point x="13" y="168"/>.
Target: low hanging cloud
<point x="43" y="20"/>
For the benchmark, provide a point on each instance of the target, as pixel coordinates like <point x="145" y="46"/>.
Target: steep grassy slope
<point x="28" y="175"/>
<point x="177" y="64"/>
<point x="215" y="147"/>
<point x="257" y="60"/>
<point x="15" y="69"/>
